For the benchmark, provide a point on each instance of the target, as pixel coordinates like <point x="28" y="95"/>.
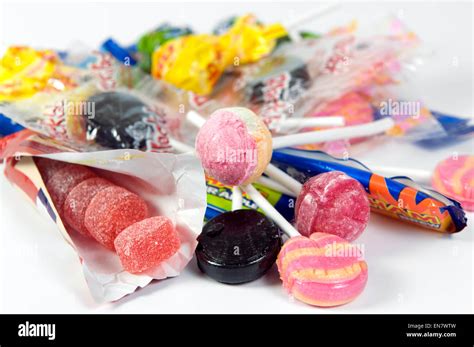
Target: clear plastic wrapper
<point x="98" y="114"/>
<point x="301" y="78"/>
<point x="25" y="71"/>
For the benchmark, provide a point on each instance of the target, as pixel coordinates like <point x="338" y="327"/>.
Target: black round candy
<point x="237" y="247"/>
<point x="119" y="121"/>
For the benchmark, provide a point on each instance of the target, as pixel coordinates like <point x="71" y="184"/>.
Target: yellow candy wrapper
<point x="196" y="62"/>
<point x="25" y="71"/>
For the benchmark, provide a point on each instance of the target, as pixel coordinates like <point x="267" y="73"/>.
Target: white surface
<point x="410" y="270"/>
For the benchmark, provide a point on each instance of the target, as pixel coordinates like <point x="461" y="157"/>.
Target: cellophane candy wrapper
<point x="172" y="186"/>
<point x="100" y="111"/>
<point x="24" y="71"/>
<point x="299" y="79"/>
<point x="87" y="118"/>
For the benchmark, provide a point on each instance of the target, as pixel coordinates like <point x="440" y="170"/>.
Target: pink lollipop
<point x="322" y="270"/>
<point x="334" y="203"/>
<point x="234" y="145"/>
<point x="454" y="177"/>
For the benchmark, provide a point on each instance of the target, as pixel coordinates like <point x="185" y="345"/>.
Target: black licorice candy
<point x="239" y="246"/>
<point x="120" y="120"/>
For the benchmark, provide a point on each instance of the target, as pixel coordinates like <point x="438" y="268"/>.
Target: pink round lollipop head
<point x="79" y="198"/>
<point x="234" y="146"/>
<point x="64" y="180"/>
<point x="333" y="203"/>
<point x="454" y="177"/>
<point x="322" y="270"/>
<point x="112" y="210"/>
<point x="146" y="244"/>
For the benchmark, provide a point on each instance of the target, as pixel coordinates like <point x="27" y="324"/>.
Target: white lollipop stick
<point x="349" y="132"/>
<point x="179" y="146"/>
<point x="292" y="25"/>
<point x="290" y="123"/>
<point x="270" y="211"/>
<point x="417" y="175"/>
<point x="284" y="179"/>
<point x="195" y="119"/>
<point x="198" y="121"/>
<point x="236" y="198"/>
<point x="272" y="184"/>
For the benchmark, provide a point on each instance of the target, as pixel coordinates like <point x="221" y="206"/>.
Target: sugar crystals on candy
<point x="112" y="210"/>
<point x="79" y="199"/>
<point x="48" y="167"/>
<point x="145" y="244"/>
<point x="333" y="203"/>
<point x="64" y="180"/>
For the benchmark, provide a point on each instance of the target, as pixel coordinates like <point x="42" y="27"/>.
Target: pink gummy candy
<point x="48" y="167"/>
<point x="146" y="244"/>
<point x="64" y="180"/>
<point x="333" y="203"/>
<point x="79" y="198"/>
<point x="112" y="210"/>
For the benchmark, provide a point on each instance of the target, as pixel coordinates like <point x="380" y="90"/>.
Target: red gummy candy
<point x="146" y="244"/>
<point x="48" y="167"/>
<point x="110" y="211"/>
<point x="79" y="198"/>
<point x="64" y="180"/>
<point x="332" y="203"/>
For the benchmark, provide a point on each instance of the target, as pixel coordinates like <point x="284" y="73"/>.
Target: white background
<point x="410" y="270"/>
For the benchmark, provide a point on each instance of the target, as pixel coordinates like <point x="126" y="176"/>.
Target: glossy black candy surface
<point x="238" y="246"/>
<point x="120" y="120"/>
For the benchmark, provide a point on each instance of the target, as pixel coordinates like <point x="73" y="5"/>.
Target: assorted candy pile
<point x="272" y="114"/>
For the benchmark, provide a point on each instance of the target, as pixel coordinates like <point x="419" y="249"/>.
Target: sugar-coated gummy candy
<point x="145" y="244"/>
<point x="112" y="210"/>
<point x="64" y="180"/>
<point x="78" y="200"/>
<point x="48" y="167"/>
<point x="237" y="247"/>
<point x="322" y="270"/>
<point x="334" y="203"/>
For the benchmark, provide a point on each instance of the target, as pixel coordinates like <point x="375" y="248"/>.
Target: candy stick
<point x="348" y="132"/>
<point x="270" y="211"/>
<point x="198" y="121"/>
<point x="195" y="119"/>
<point x="180" y="146"/>
<point x="310" y="137"/>
<point x="236" y="198"/>
<point x="418" y="175"/>
<point x="292" y="25"/>
<point x="273" y="184"/>
<point x="284" y="179"/>
<point x="290" y="123"/>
